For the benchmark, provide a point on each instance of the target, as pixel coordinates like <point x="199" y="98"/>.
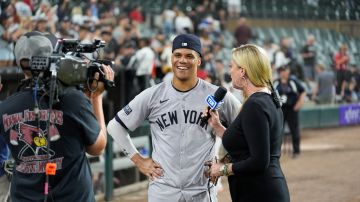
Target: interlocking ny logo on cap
<point x="183" y="44"/>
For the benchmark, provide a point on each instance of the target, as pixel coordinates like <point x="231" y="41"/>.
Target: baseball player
<point x="180" y="144"/>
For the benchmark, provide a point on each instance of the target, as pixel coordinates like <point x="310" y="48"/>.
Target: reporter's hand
<point x="207" y="172"/>
<point x="215" y="170"/>
<point x="214" y="120"/>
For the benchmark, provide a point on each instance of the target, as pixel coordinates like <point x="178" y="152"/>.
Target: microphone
<point x="213" y="103"/>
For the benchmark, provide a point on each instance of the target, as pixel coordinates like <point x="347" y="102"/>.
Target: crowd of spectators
<point x="139" y="41"/>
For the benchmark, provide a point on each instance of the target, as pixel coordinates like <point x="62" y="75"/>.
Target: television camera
<point x="72" y="67"/>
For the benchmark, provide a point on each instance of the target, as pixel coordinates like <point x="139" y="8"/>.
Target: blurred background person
<point x="324" y="90"/>
<point x="308" y="54"/>
<point x="143" y="61"/>
<point x="350" y="95"/>
<point x="234" y="8"/>
<point x="243" y="33"/>
<point x="292" y="95"/>
<point x="9" y="33"/>
<point x="355" y="76"/>
<point x="341" y="61"/>
<point x="183" y="23"/>
<point x="168" y="17"/>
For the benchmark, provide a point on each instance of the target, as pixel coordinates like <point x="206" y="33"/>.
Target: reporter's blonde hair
<point x="256" y="63"/>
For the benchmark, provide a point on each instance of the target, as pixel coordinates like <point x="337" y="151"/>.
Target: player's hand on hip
<point x="150" y="168"/>
<point x="207" y="169"/>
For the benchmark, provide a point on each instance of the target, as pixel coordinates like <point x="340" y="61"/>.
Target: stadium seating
<point x="328" y="41"/>
<point x="289" y="9"/>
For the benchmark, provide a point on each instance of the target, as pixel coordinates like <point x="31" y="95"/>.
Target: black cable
<point x="51" y="101"/>
<point x="34" y="84"/>
<point x="208" y="185"/>
<point x="209" y="188"/>
<point x="36" y="105"/>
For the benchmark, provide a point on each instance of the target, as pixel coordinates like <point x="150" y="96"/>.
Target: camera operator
<point x="76" y="127"/>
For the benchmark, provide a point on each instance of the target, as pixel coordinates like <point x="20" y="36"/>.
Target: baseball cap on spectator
<point x="32" y="44"/>
<point x="188" y="41"/>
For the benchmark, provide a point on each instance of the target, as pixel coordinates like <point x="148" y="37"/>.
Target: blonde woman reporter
<point x="254" y="138"/>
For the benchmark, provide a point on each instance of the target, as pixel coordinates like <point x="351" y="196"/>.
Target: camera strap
<point x="50" y="167"/>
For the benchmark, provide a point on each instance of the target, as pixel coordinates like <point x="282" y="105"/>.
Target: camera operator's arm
<point x="96" y="101"/>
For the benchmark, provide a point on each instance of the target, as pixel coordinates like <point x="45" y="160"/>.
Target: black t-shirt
<point x="309" y="60"/>
<point x="73" y="127"/>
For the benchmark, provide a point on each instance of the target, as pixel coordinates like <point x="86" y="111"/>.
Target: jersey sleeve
<point x="230" y="109"/>
<point x="256" y="129"/>
<point x="134" y="113"/>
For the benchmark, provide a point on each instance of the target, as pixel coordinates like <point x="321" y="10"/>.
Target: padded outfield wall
<point x="330" y="116"/>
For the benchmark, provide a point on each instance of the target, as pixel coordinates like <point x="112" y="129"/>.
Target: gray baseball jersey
<point x="180" y="144"/>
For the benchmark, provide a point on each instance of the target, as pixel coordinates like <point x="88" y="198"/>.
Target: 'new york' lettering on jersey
<point x="170" y="118"/>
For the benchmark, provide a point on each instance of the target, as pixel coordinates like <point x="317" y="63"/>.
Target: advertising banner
<point x="349" y="114"/>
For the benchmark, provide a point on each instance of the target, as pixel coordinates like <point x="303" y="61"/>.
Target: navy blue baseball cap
<point x="188" y="41"/>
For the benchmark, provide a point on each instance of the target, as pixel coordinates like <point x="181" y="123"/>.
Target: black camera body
<point x="71" y="66"/>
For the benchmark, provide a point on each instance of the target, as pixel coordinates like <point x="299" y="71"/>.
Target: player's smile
<point x="182" y="68"/>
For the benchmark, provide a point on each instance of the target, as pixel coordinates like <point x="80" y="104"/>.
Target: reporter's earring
<point x="244" y="83"/>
